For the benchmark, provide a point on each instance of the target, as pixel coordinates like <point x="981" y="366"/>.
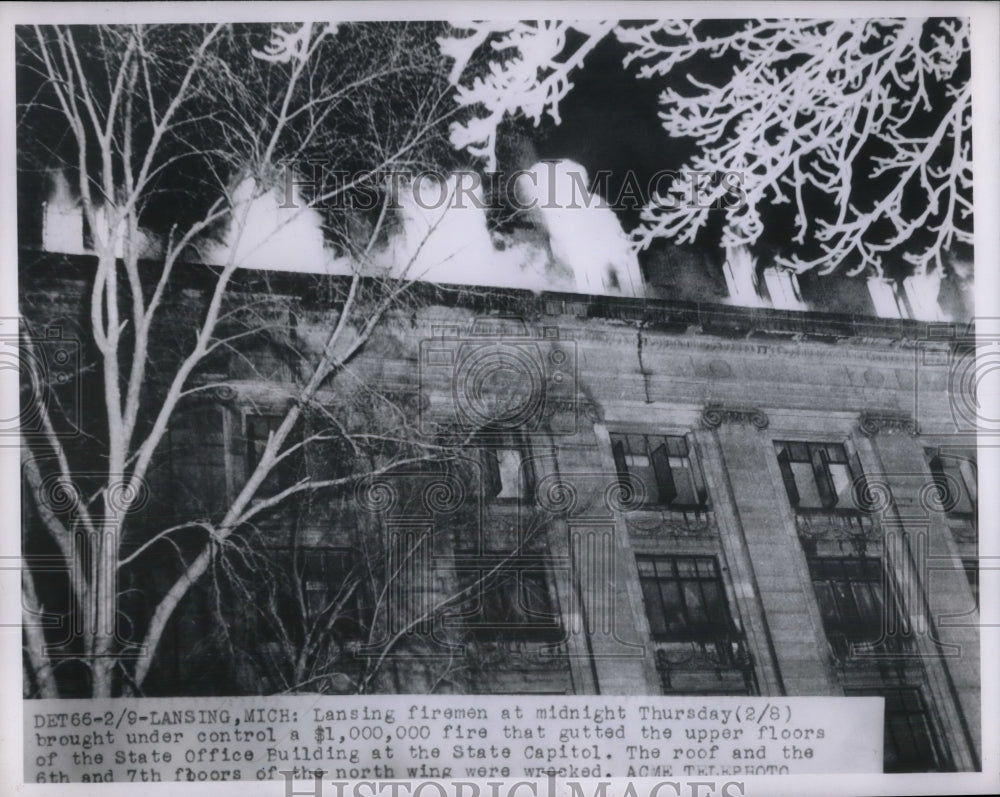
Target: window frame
<point x="662" y="469"/>
<point x="971" y="569"/>
<point x="938" y="752"/>
<point x="488" y="454"/>
<point x="817" y="455"/>
<point x="962" y="467"/>
<point x="296" y="561"/>
<point x="722" y="628"/>
<point x="541" y="622"/>
<point x="284" y="473"/>
<point x="853" y="629"/>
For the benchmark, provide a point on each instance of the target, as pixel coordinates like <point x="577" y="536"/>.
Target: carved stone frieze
<point x="675" y="524"/>
<point x="506" y="654"/>
<point x="838" y="528"/>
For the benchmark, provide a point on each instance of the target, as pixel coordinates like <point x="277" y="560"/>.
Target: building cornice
<point x="743" y="326"/>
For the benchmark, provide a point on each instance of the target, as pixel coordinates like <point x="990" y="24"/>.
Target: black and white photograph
<point x="554" y="393"/>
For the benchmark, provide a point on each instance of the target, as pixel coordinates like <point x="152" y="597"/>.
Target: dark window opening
<point x="286" y="471"/>
<point x="818" y="476"/>
<point x="194" y="478"/>
<point x="329" y="587"/>
<point x="956" y="477"/>
<point x="697" y="647"/>
<point x="505" y="470"/>
<point x="313" y="587"/>
<point x="666" y="467"/>
<point x="685" y="600"/>
<point x="852" y="603"/>
<point x="506" y="474"/>
<point x="507" y="597"/>
<point x="299" y="615"/>
<point x="911" y="745"/>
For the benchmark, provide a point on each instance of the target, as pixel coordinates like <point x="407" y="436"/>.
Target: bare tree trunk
<point x="102" y="609"/>
<point x="35" y="645"/>
<point x="130" y="119"/>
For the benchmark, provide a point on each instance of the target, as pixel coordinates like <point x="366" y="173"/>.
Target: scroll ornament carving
<point x="714" y="415"/>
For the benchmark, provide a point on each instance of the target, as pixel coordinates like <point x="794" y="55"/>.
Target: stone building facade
<point x="634" y="497"/>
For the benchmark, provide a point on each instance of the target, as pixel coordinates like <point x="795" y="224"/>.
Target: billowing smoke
<point x="917" y="296"/>
<point x="443" y="237"/>
<point x="62" y="218"/>
<point x="740" y="271"/>
<point x="584" y="233"/>
<point x="64" y="227"/>
<point x="922" y="292"/>
<point x="270" y="236"/>
<point x="440" y="234"/>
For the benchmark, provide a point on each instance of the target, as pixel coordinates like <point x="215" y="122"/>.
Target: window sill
<point x="502" y="636"/>
<point x="672" y="509"/>
<point x="814" y="511"/>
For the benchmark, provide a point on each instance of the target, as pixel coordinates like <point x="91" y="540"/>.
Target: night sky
<point x="610" y="121"/>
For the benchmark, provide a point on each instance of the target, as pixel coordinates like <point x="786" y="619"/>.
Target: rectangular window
<point x="317" y="585"/>
<point x="818" y="476"/>
<point x="956" y="477"/>
<point x="506" y="474"/>
<point x="665" y="467"/>
<point x="297" y="615"/>
<point x="684" y="597"/>
<point x="507" y="597"/>
<point x="324" y="572"/>
<point x="196" y="480"/>
<point x="286" y="471"/>
<point x="910" y="742"/>
<point x="505" y="467"/>
<point x="853" y="605"/>
<point x="328" y="453"/>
